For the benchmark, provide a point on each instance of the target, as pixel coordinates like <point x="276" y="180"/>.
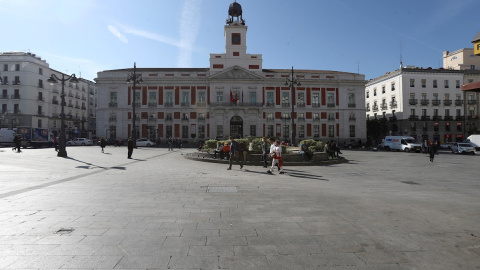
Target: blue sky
<point x="88" y="36"/>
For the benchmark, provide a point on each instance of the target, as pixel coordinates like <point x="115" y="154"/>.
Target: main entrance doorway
<point x="236" y="127"/>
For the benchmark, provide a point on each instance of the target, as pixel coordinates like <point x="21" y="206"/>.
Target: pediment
<point x="236" y="73"/>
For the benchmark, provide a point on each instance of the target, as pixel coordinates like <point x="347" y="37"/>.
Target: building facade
<point x="234" y="96"/>
<point x="27" y="99"/>
<point x="463" y="59"/>
<point x="427" y="104"/>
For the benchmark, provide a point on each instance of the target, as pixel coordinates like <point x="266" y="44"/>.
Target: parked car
<point x="463" y="148"/>
<point x="145" y="142"/>
<point x="114" y="142"/>
<point x="80" y="141"/>
<point x="446" y="146"/>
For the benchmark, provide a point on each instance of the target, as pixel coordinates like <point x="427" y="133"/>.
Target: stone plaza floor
<point x="159" y="210"/>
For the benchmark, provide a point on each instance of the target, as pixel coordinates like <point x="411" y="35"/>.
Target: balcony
<point x="84" y="108"/>
<point x="17" y="112"/>
<point x="270" y="118"/>
<point x="436" y="102"/>
<point x="15" y="96"/>
<point x="301" y="104"/>
<point x="375" y="108"/>
<point x="77" y="106"/>
<point x="4" y="96"/>
<point x="40" y="113"/>
<point x="77" y="96"/>
<point x="70" y="105"/>
<point x="201" y="118"/>
<point x="112" y="118"/>
<point x="70" y="95"/>
<point x="352" y="118"/>
<point x="41" y="99"/>
<point x="270" y="104"/>
<point x="152" y="103"/>
<point x="84" y="98"/>
<point x="201" y="104"/>
<point x="315" y="105"/>
<point x="393" y="104"/>
<point x="317" y="118"/>
<point x="16" y="83"/>
<point x="447" y="102"/>
<point x="169" y="118"/>
<point x="352" y="105"/>
<point x="413" y="118"/>
<point x="413" y="101"/>
<point x="367" y="109"/>
<point x="458" y="102"/>
<point x="40" y="85"/>
<point x="472" y="102"/>
<point x="168" y="104"/>
<point x="424" y="102"/>
<point x="185" y="104"/>
<point x="55" y="91"/>
<point x="472" y="117"/>
<point x="383" y="106"/>
<point x="4" y="82"/>
<point x="330" y="105"/>
<point x="55" y="102"/>
<point x="459" y="118"/>
<point x="285" y="104"/>
<point x="448" y="118"/>
<point x="286" y="118"/>
<point x="425" y="118"/>
<point x="112" y="104"/>
<point x="56" y="115"/>
<point x="436" y="118"/>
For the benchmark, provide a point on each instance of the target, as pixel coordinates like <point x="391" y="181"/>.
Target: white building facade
<point x="234" y="96"/>
<point x="427" y="104"/>
<point x="28" y="100"/>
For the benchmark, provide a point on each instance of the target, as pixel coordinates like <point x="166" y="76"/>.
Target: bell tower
<point x="235" y="32"/>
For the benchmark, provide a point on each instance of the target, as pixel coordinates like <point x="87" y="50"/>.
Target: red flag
<point x="232" y="98"/>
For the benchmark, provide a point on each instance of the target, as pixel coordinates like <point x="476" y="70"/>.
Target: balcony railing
<point x="168" y="104"/>
<point x="448" y="117"/>
<point x="301" y="104"/>
<point x="112" y="104"/>
<point x="315" y="104"/>
<point x="393" y="104"/>
<point x="152" y="104"/>
<point x="269" y="104"/>
<point x="55" y="91"/>
<point x="472" y="117"/>
<point x="436" y="102"/>
<point x="4" y="96"/>
<point x="201" y="104"/>
<point x="425" y="118"/>
<point x="39" y="98"/>
<point x="15" y="96"/>
<point x="54" y="101"/>
<point x="352" y="118"/>
<point x="17" y="112"/>
<point x="413" y="117"/>
<point x="413" y="101"/>
<point x="201" y="118"/>
<point x="316" y="118"/>
<point x="352" y="105"/>
<point x="17" y="83"/>
<point x="424" y="102"/>
<point x="285" y="104"/>
<point x="270" y="119"/>
<point x="384" y="106"/>
<point x="185" y="104"/>
<point x="472" y="102"/>
<point x="458" y="102"/>
<point x="40" y="113"/>
<point x="375" y="108"/>
<point x="367" y="109"/>
<point x="239" y="104"/>
<point x="330" y="105"/>
<point x="169" y="118"/>
<point x="112" y="118"/>
<point x="447" y="102"/>
<point x="459" y="118"/>
<point x="436" y="118"/>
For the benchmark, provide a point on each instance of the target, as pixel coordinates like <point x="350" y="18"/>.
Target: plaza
<point x="381" y="210"/>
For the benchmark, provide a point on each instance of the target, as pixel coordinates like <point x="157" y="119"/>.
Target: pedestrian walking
<point x="55" y="143"/>
<point x="234" y="152"/>
<point x="103" y="143"/>
<point x="433" y="150"/>
<point x="272" y="147"/>
<point x="276" y="155"/>
<point x="265" y="152"/>
<point x="425" y="147"/>
<point x="17" y="140"/>
<point x="130" y="147"/>
<point x="170" y="143"/>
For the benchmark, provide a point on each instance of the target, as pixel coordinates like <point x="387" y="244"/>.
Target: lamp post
<point x="136" y="79"/>
<point x="292" y="82"/>
<point x="62" y="152"/>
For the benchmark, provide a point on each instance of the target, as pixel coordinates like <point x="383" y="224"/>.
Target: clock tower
<point x="235" y="32"/>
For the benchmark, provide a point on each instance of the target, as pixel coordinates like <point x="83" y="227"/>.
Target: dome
<point x="235" y="10"/>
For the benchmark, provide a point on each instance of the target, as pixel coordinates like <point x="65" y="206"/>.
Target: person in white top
<point x="276" y="154"/>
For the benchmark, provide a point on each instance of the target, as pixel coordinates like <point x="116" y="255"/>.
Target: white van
<point x="6" y="136"/>
<point x="401" y="143"/>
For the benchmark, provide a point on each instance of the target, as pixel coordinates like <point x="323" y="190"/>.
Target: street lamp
<point x="136" y="79"/>
<point x="292" y="82"/>
<point x="62" y="152"/>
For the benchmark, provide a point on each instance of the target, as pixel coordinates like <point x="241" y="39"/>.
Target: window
<point x="457" y="84"/>
<point x="201" y="131"/>
<point x="351" y="99"/>
<point x="301" y="131"/>
<point x="412" y="82"/>
<point x="412" y="112"/>
<point x="458" y="112"/>
<point x="270" y="99"/>
<point x="447" y="112"/>
<point x="4" y="108"/>
<point x="316" y="116"/>
<point x="446" y="83"/>
<point x="185" y="98"/>
<point x="40" y="83"/>
<point x="447" y="126"/>
<point x="286" y="116"/>
<point x="40" y="71"/>
<point x="185" y="116"/>
<point x="434" y="83"/>
<point x="301" y="116"/>
<point x="330" y="100"/>
<point x="472" y="67"/>
<point x="459" y="127"/>
<point x="352" y="131"/>
<point x="374" y="92"/>
<point x="285" y="99"/>
<point x="270" y="116"/>
<point x="424" y="83"/>
<point x="219" y="97"/>
<point x="252" y="97"/>
<point x="435" y="112"/>
<point x="316" y="131"/>
<point x="185" y="131"/>
<point x="316" y="100"/>
<point x="17" y="67"/>
<point x="152" y="98"/>
<point x="424" y="112"/>
<point x="39" y="123"/>
<point x="5" y="67"/>
<point x="393" y="86"/>
<point x="331" y="131"/>
<point x="301" y="99"/>
<point x="253" y="130"/>
<point x="270" y="130"/>
<point x="16" y="109"/>
<point x="219" y="130"/>
<point x="368" y="94"/>
<point x="137" y="98"/>
<point x="383" y="89"/>
<point x="286" y="131"/>
<point x="168" y="116"/>
<point x="169" y="99"/>
<point x="201" y="98"/>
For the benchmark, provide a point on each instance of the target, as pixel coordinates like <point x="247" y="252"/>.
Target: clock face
<point x="236" y="39"/>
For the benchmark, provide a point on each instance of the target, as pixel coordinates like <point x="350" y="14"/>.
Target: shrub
<point x="314" y="146"/>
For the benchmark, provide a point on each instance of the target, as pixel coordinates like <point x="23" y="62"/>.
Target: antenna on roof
<point x="358" y="66"/>
<point x="401" y="54"/>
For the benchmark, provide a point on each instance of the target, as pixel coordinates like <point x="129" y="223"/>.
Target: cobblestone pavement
<point x="382" y="210"/>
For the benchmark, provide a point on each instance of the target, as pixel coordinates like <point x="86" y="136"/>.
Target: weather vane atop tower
<point x="235" y="10"/>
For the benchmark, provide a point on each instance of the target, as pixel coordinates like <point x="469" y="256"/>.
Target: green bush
<point x="256" y="145"/>
<point x="314" y="146"/>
